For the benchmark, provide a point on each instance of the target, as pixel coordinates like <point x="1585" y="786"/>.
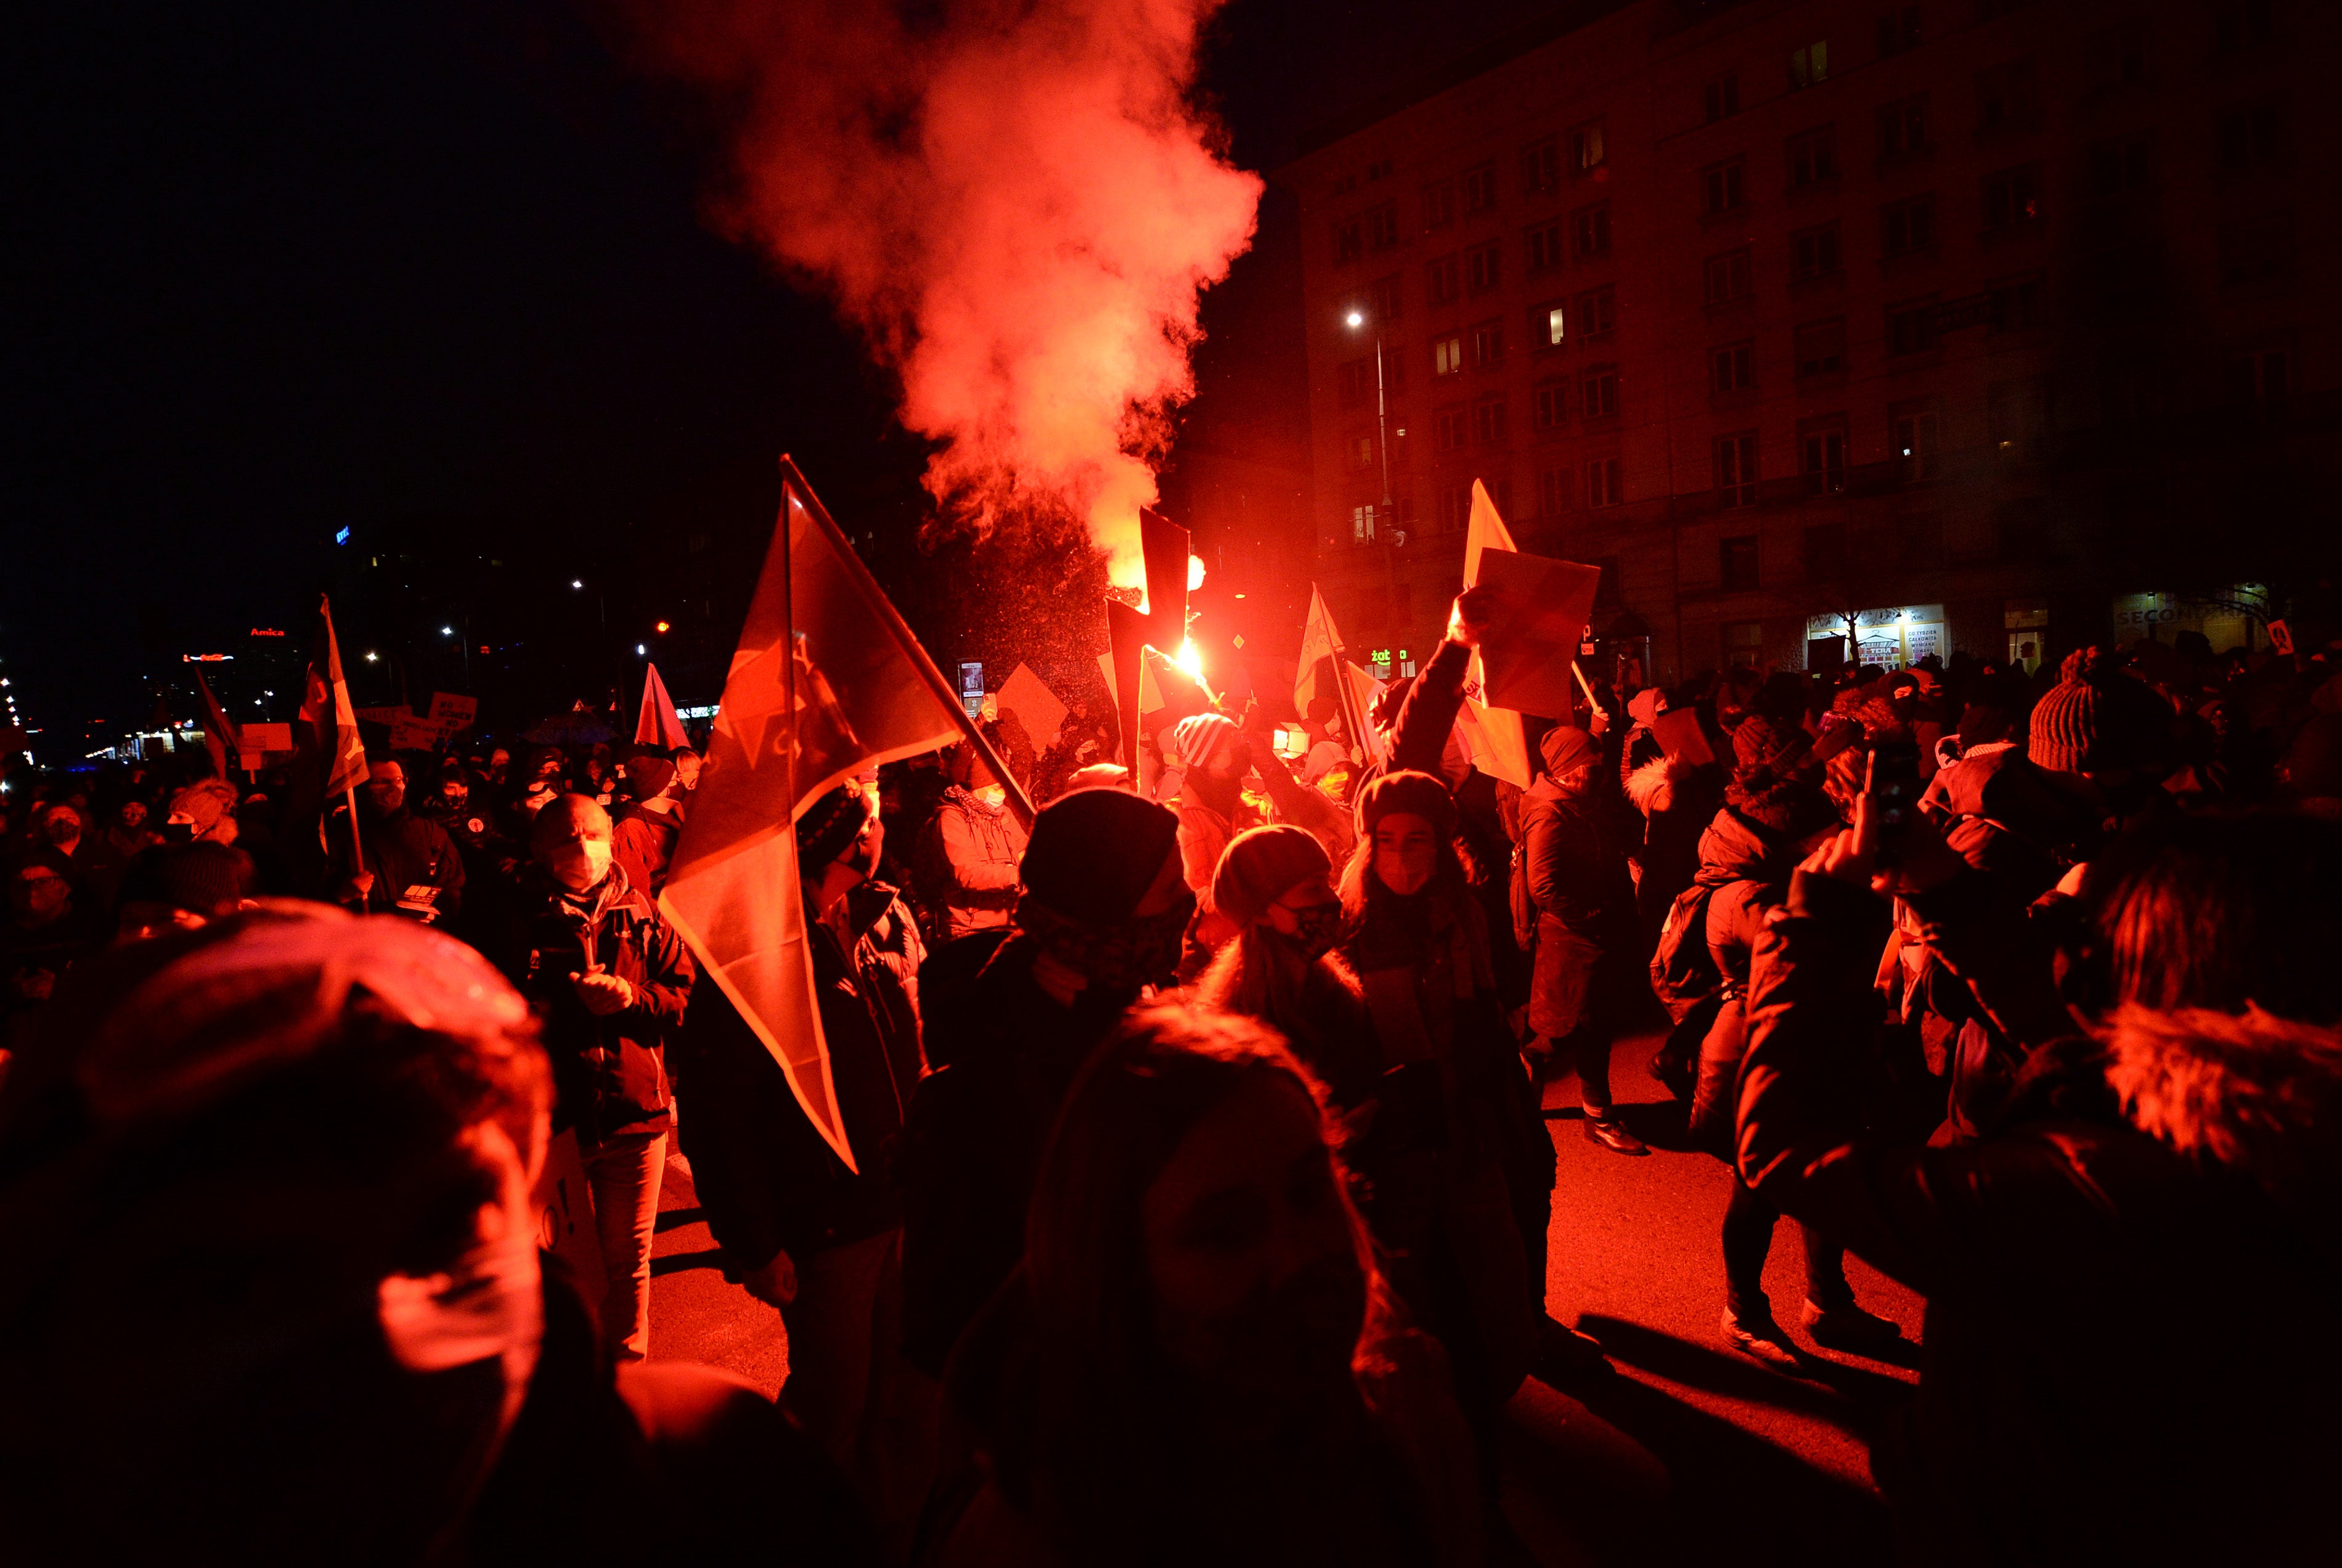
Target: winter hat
<point x="1199" y="738"/>
<point x="1766" y="743"/>
<point x="1096" y="852"/>
<point x="2096" y="718"/>
<point x="1567" y="748"/>
<point x="1099" y="776"/>
<point x="1263" y="864"/>
<point x="204" y="804"/>
<point x="1767" y="787"/>
<point x="650" y="773"/>
<point x="1416" y="794"/>
<point x="208" y="879"/>
<point x="1643" y="707"/>
<point x="829" y="827"/>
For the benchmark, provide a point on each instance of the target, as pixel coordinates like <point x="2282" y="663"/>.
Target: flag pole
<point x="793" y="483"/>
<point x="357" y="850"/>
<point x="1348" y="699"/>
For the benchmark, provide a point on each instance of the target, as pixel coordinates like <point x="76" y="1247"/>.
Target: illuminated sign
<point x="204" y="658"/>
<point x="266" y="631"/>
<point x="343" y="537"/>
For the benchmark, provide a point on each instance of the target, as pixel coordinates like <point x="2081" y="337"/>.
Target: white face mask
<point x="580" y="864"/>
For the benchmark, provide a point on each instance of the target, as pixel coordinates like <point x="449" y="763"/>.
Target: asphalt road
<point x="1692" y="1455"/>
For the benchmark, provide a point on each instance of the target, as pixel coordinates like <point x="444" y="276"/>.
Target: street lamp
<point x="1357" y="319"/>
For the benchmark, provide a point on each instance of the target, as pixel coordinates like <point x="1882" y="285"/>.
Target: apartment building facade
<point x="1837" y="329"/>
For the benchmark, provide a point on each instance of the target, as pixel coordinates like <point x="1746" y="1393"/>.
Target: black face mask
<point x="1117" y="958"/>
<point x="178" y="833"/>
<point x="1315" y="930"/>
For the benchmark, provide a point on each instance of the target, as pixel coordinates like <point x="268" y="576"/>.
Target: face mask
<point x="580" y="864"/>
<point x="134" y="816"/>
<point x="178" y="833"/>
<point x="1316" y="930"/>
<point x="455" y="799"/>
<point x="1405" y="871"/>
<point x="63" y="829"/>
<point x="1118" y="958"/>
<point x="385" y="798"/>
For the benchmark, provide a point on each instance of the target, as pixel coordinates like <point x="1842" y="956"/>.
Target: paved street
<point x="1694" y="1456"/>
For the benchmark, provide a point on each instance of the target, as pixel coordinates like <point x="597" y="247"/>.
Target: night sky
<point x="279" y="268"/>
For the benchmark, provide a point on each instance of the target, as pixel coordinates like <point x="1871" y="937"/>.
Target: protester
<point x="1098" y="922"/>
<point x="803" y="1231"/>
<point x="203" y="812"/>
<point x="610" y="979"/>
<point x="1574" y="886"/>
<point x="96" y="864"/>
<point x="411" y="866"/>
<point x="50" y="926"/>
<point x="1198" y="1361"/>
<point x="183" y="887"/>
<point x="2170" y="1164"/>
<point x="129" y="834"/>
<point x="334" y="1125"/>
<point x="964" y="868"/>
<point x="1215" y="759"/>
<point x="642" y="841"/>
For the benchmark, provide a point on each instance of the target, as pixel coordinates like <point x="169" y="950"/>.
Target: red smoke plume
<point x="1017" y="202"/>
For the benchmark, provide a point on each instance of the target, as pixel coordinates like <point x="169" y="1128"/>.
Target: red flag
<point x="219" y="736"/>
<point x="336" y="720"/>
<point x="657" y="723"/>
<point x="827" y="681"/>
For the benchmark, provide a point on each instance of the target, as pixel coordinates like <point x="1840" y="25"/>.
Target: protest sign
<point x="1532" y="636"/>
<point x="452" y="712"/>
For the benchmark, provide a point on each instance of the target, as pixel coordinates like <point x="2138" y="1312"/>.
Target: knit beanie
<point x="203" y="803"/>
<point x="1762" y="742"/>
<point x="1567" y="748"/>
<point x="1199" y="738"/>
<point x="1263" y="864"/>
<point x="1096" y="852"/>
<point x="207" y="879"/>
<point x="650" y="773"/>
<point x="2097" y="716"/>
<point x="1416" y="794"/>
<point x="829" y="827"/>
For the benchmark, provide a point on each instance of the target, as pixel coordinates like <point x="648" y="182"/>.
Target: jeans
<point x="1748" y="1239"/>
<point x="623" y="1173"/>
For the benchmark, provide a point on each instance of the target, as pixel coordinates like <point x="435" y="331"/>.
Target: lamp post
<point x="1355" y="320"/>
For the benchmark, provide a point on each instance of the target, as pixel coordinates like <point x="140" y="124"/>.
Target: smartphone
<point x="1894" y="791"/>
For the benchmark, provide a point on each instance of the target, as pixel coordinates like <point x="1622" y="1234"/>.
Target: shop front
<point x="2230" y="619"/>
<point x="1895" y="637"/>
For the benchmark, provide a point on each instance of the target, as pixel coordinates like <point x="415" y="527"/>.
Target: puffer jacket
<point x="2134" y="1279"/>
<point x="610" y="1073"/>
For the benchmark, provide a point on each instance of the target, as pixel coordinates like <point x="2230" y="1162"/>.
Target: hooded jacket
<point x="2132" y="1280"/>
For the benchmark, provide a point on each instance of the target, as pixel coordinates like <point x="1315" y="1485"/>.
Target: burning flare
<point x="1018" y="203"/>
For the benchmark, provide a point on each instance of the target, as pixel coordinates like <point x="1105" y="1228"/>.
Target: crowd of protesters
<point x="1200" y="1179"/>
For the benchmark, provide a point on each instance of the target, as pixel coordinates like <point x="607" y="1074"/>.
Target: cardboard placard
<point x="2281" y="637"/>
<point x="1529" y="645"/>
<point x="264" y="737"/>
<point x="1037" y="707"/>
<point x="384" y="715"/>
<point x="452" y="712"/>
<point x="409" y="733"/>
<point x="1680" y="737"/>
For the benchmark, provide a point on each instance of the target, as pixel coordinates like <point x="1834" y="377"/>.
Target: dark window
<point x="2015" y="301"/>
<point x="1480" y="188"/>
<point x="1813" y="157"/>
<point x="1547" y="322"/>
<point x="1908" y="226"/>
<point x="1360" y="446"/>
<point x="1911" y="329"/>
<point x="1814" y="253"/>
<point x="1808" y="65"/>
<point x="1552" y="407"/>
<point x="1744" y="644"/>
<point x="1350" y="240"/>
<point x="1382" y="225"/>
<point x="1438" y="205"/>
<point x="1733" y="366"/>
<point x="1441" y="281"/>
<point x="1354" y="382"/>
<point x="2242" y="23"/>
<point x="1739" y="561"/>
<point x="1447" y="353"/>
<point x="1721" y="97"/>
<point x="1825" y="552"/>
<point x="1601" y="394"/>
<point x="2116" y="168"/>
<point x="2252" y="138"/>
<point x="1727" y="276"/>
<point x="1821" y="456"/>
<point x="2012" y="196"/>
<point x="1482" y="268"/>
<point x="1540" y="167"/>
<point x="1597" y="311"/>
<point x="1912" y="435"/>
<point x="1385" y="296"/>
<point x="1736" y="483"/>
<point x="1903" y="127"/>
<point x="1603" y="485"/>
<point x="1451" y="428"/>
<point x="2256" y="250"/>
<point x="1591" y="227"/>
<point x="1545" y="248"/>
<point x="1486" y="341"/>
<point x="1898" y="31"/>
<point x="1820" y="346"/>
<point x="1454" y="508"/>
<point x="2016" y="414"/>
<point x="2008" y="97"/>
<point x="1724" y="188"/>
<point x="1554" y="490"/>
<point x="1488" y="421"/>
<point x="1587" y="150"/>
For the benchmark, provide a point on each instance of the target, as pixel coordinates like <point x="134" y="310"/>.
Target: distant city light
<point x="372" y="655"/>
<point x="661" y="628"/>
<point x="447" y="631"/>
<point x="1356" y="318"/>
<point x="575" y="583"/>
<point x="640" y="649"/>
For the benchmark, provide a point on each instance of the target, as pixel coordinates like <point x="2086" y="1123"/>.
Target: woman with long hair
<point x="1276" y="884"/>
<point x="1199" y="1355"/>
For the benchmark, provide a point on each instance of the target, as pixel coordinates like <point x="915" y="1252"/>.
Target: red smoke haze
<point x="1017" y="202"/>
